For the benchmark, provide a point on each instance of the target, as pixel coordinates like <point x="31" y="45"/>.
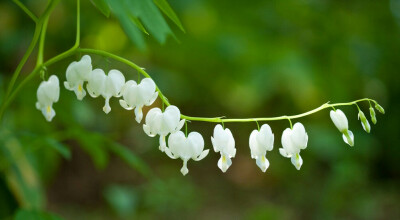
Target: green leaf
<point x="23" y="214"/>
<point x="130" y="158"/>
<point x="150" y="16"/>
<point x="59" y="147"/>
<point x="20" y="175"/>
<point x="139" y="24"/>
<point x="127" y="24"/>
<point x="166" y="8"/>
<point x="102" y="6"/>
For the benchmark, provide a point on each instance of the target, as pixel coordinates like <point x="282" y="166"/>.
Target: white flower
<point x="260" y="142"/>
<point x="364" y="122"/>
<point x="136" y="96"/>
<point x="340" y="121"/>
<point x="106" y="86"/>
<point x="47" y="94"/>
<point x="294" y="140"/>
<point x="186" y="148"/>
<point x="163" y="123"/>
<point x="224" y="143"/>
<point x="77" y="73"/>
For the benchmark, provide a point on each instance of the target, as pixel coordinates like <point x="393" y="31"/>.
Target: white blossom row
<point x="168" y="122"/>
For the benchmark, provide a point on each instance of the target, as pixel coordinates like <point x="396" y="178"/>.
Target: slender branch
<point x="78" y="24"/>
<point x="42" y="40"/>
<point x="26" y="10"/>
<point x="23" y="60"/>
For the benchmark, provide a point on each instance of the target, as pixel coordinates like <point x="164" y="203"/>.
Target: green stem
<point x="41" y="42"/>
<point x="26" y="10"/>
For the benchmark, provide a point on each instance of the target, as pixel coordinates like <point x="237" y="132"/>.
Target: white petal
<point x="153" y="99"/>
<point x="284" y="153"/>
<point x="96" y="83"/>
<point x="202" y="155"/>
<point x="48" y="112"/>
<point x="138" y="114"/>
<point x="262" y="163"/>
<point x="299" y="136"/>
<point x="254" y="146"/>
<point x="163" y="143"/>
<point x="339" y="119"/>
<point x="196" y="143"/>
<point x="216" y="149"/>
<point x="146" y="130"/>
<point x="184" y="169"/>
<point x="169" y="153"/>
<point x="124" y="104"/>
<point x="348" y="138"/>
<point x="297" y="161"/>
<point x="107" y="107"/>
<point x="224" y="163"/>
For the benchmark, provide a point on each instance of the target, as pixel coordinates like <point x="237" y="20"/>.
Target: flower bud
<point x="372" y="113"/>
<point x="379" y="108"/>
<point x="364" y="121"/>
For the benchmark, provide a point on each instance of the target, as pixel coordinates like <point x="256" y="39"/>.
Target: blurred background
<point x="236" y="59"/>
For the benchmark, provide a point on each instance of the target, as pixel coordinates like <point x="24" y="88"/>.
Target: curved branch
<point x="26" y="10"/>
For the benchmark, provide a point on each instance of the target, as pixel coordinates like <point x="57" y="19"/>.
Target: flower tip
<point x="184" y="171"/>
<point x="106" y="109"/>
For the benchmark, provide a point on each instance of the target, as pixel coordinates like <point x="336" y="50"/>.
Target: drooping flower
<point x="163" y="123"/>
<point x="138" y="95"/>
<point x="223" y="142"/>
<point x="293" y="141"/>
<point x="106" y="85"/>
<point x="47" y="94"/>
<point x="340" y="121"/>
<point x="364" y="122"/>
<point x="260" y="142"/>
<point x="77" y="73"/>
<point x="186" y="148"/>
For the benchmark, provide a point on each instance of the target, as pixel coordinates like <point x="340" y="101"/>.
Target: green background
<point x="236" y="59"/>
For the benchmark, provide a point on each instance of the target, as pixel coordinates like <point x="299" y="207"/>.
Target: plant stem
<point x="26" y="10"/>
<point x="41" y="42"/>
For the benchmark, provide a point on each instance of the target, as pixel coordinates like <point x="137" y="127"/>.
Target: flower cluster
<point x="167" y="124"/>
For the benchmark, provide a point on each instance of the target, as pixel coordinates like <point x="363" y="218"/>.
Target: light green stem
<point x="26" y="10"/>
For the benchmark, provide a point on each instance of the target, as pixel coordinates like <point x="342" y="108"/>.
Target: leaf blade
<point x="102" y="6"/>
<point x="164" y="6"/>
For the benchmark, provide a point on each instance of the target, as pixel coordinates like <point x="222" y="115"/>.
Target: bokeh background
<point x="236" y="59"/>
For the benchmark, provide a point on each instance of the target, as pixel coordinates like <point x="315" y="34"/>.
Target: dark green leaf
<point x="102" y="6"/>
<point x="34" y="215"/>
<point x="166" y="8"/>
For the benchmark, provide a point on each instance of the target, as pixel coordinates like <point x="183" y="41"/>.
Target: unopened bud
<point x="379" y="108"/>
<point x="372" y="114"/>
<point x="364" y="121"/>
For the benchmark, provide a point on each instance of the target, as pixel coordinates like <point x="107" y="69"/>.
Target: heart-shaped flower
<point x="106" y="85"/>
<point x="77" y="73"/>
<point x="47" y="94"/>
<point x="294" y="140"/>
<point x="186" y="148"/>
<point x="260" y="142"/>
<point x="340" y="121"/>
<point x="224" y="143"/>
<point x="136" y="96"/>
<point x="163" y="123"/>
